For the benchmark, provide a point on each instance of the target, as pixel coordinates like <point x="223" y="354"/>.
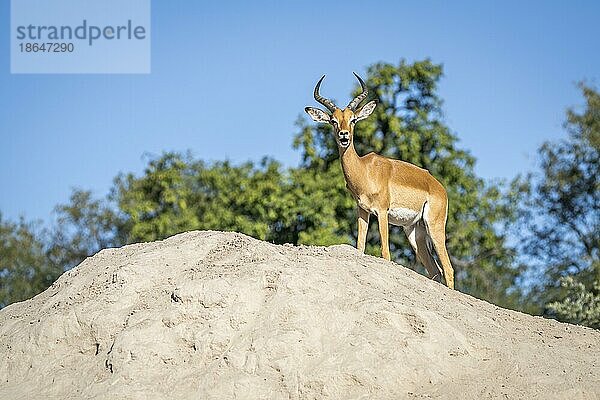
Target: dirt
<point x="213" y="315"/>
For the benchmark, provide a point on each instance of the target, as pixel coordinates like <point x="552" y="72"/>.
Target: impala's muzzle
<point x="344" y="138"/>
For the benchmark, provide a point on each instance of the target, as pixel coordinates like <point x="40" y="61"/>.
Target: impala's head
<point x="343" y="121"/>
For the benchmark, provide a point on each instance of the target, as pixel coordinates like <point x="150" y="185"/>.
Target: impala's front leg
<point x="363" y="226"/>
<point x="382" y="219"/>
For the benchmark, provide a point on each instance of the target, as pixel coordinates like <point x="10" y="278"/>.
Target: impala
<point x="397" y="192"/>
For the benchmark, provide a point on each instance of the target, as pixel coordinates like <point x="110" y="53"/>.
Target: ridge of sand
<point x="213" y="315"/>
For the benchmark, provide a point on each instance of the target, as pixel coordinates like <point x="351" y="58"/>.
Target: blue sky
<point x="230" y="79"/>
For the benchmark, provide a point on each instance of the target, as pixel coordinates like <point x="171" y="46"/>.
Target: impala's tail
<point x="432" y="255"/>
<point x="425" y="248"/>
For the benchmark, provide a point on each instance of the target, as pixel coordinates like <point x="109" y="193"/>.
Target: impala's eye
<point x="334" y="122"/>
<point x="353" y="121"/>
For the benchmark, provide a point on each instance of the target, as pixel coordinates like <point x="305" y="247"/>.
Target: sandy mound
<point x="207" y="315"/>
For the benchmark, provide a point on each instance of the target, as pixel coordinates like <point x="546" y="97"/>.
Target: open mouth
<point x="344" y="142"/>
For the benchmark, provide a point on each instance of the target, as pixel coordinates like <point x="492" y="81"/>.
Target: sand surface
<point x="211" y="315"/>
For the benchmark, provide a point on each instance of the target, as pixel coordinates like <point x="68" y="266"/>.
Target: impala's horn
<point x="358" y="99"/>
<point x="326" y="102"/>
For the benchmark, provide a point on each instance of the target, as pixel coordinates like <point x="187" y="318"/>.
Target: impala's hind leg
<point x="438" y="237"/>
<point x="417" y="236"/>
<point x="436" y="233"/>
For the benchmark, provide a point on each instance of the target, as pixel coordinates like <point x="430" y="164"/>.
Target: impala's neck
<point x="351" y="165"/>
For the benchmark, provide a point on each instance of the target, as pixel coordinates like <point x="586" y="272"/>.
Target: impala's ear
<point x="366" y="110"/>
<point x="317" y="115"/>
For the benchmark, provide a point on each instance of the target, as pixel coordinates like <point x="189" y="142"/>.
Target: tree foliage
<point x="561" y="214"/>
<point x="25" y="269"/>
<point x="580" y="304"/>
<point x="177" y="193"/>
<point x="83" y="227"/>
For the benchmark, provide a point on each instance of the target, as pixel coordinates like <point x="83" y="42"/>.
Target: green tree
<point x="561" y="215"/>
<point x="83" y="227"/>
<point x="24" y="266"/>
<point x="244" y="198"/>
<point x="580" y="304"/>
<point x="156" y="205"/>
<point x="177" y="193"/>
<point x="407" y="124"/>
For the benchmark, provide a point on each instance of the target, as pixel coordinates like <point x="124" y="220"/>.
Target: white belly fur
<point x="403" y="216"/>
